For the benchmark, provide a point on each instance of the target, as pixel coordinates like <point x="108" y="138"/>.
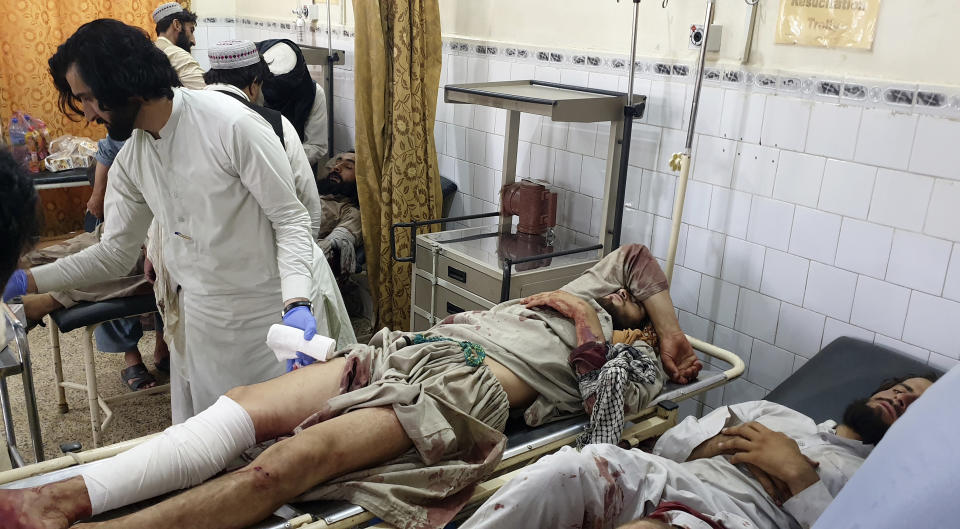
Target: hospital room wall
<point x="806" y="218"/>
<point x="908" y="33"/>
<point x="252" y="20"/>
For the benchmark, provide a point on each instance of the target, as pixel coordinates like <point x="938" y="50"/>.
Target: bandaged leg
<point x="183" y="456"/>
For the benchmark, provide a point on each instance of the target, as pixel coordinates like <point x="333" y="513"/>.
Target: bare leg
<point x="352" y="441"/>
<point x="160" y="350"/>
<point x="275" y="406"/>
<point x="679" y="360"/>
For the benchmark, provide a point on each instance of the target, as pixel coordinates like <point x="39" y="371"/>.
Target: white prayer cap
<point x="280" y="58"/>
<point x="231" y="54"/>
<point x="164" y="10"/>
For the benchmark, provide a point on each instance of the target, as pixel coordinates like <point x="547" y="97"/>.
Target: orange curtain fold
<point x="30" y="31"/>
<point x="397" y="79"/>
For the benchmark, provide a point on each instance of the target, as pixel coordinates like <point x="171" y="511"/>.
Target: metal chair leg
<point x="57" y="365"/>
<point x="92" y="391"/>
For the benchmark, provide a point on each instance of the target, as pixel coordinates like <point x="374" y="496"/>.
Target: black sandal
<point x="136" y="377"/>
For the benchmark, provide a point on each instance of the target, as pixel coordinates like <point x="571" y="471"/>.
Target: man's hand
<point x="149" y="273"/>
<point x="679" y="360"/>
<point x="301" y="318"/>
<point x="776" y="488"/>
<point x="578" y="309"/>
<point x="773" y="453"/>
<point x="95" y="205"/>
<point x="719" y="445"/>
<point x="710" y="448"/>
<point x="565" y="303"/>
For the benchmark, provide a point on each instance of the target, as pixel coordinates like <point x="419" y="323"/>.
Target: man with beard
<point x="751" y="466"/>
<point x="236" y="242"/>
<point x="340" y="230"/>
<point x="175" y="26"/>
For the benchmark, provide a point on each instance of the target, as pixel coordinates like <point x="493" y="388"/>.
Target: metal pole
<point x="331" y="60"/>
<point x="633" y="51"/>
<point x="629" y="112"/>
<point x="685" y="156"/>
<point x="698" y="82"/>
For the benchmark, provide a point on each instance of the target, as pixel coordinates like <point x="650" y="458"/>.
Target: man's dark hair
<point x="890" y="382"/>
<point x="183" y="16"/>
<point x="239" y="77"/>
<point x="18" y="214"/>
<point x="116" y="61"/>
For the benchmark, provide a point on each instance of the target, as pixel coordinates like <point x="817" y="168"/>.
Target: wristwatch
<point x="296" y="304"/>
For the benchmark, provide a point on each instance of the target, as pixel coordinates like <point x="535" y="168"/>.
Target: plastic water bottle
<point x="18" y="142"/>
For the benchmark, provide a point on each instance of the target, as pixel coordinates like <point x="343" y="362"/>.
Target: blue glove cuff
<point x="16" y="285"/>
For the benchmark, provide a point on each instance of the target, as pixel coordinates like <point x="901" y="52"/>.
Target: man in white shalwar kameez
<point x="784" y="470"/>
<point x="235" y="241"/>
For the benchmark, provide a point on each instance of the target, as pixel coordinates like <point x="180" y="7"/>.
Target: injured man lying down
<point x="754" y="465"/>
<point x="405" y="426"/>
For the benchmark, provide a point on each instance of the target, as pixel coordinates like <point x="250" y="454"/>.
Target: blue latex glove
<point x="17" y="286"/>
<point x="300" y="361"/>
<point x="301" y="318"/>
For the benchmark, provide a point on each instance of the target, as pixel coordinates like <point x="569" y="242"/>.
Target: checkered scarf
<point x="604" y="387"/>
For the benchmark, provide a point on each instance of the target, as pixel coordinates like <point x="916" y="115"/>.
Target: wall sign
<point x="828" y="23"/>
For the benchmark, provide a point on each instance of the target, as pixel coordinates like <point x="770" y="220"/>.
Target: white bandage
<point x="182" y="456"/>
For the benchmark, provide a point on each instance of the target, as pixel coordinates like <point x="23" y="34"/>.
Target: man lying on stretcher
<point x="405" y="426"/>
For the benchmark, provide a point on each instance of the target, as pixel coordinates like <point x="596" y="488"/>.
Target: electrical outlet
<point x="696" y="37"/>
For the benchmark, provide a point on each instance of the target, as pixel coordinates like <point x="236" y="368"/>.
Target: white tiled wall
<point x="805" y="220"/>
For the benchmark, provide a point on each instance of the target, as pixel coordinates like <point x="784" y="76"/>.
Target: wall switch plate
<point x="696" y="37"/>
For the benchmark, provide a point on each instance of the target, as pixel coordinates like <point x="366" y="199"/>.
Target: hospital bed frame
<point x="524" y="446"/>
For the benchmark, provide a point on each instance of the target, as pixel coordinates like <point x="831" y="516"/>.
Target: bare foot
<point x="53" y="506"/>
<point x="28" y="509"/>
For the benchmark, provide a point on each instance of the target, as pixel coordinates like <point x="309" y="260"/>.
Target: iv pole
<point x="681" y="160"/>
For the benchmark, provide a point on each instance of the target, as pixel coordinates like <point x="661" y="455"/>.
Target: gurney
<point x="524" y="446"/>
<point x="847" y="368"/>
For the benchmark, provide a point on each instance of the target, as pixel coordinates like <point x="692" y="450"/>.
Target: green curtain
<point x="397" y="75"/>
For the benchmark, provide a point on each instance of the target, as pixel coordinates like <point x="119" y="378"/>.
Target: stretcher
<point x="524" y="446"/>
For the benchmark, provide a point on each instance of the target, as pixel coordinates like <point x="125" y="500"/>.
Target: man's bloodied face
<point x="624" y="309"/>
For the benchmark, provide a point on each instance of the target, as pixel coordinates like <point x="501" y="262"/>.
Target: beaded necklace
<point x="472" y="352"/>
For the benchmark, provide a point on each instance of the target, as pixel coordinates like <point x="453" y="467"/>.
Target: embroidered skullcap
<point x="164" y="10"/>
<point x="231" y="54"/>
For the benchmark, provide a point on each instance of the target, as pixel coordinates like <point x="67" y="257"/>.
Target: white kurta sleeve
<point x="265" y="171"/>
<point x="315" y="130"/>
<point x="679" y="441"/>
<point x="128" y="218"/>
<point x="809" y="504"/>
<point x="188" y="69"/>
<point x="303" y="177"/>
